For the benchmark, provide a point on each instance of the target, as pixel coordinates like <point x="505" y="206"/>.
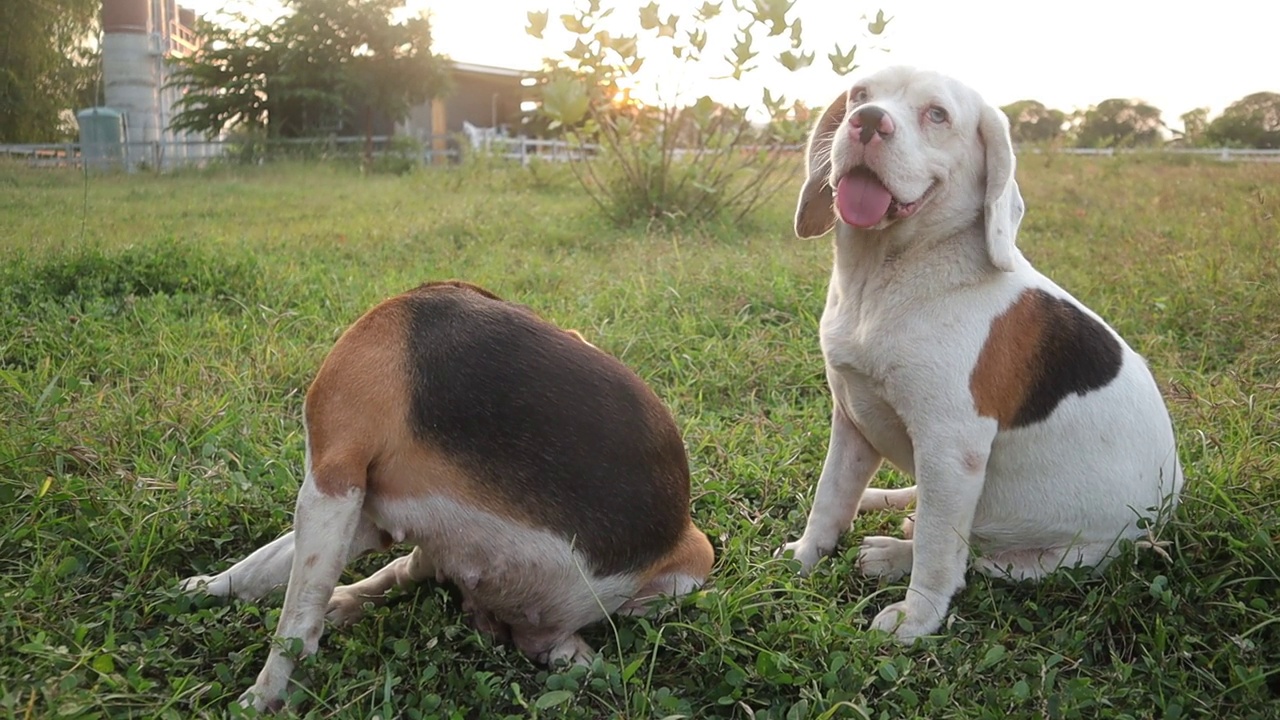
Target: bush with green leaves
<point x="673" y="159"/>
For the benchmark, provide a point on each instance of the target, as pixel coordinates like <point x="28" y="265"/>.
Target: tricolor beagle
<point x="1036" y="437"/>
<point x="534" y="471"/>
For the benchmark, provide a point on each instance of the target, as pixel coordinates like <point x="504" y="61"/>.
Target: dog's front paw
<point x="906" y="623"/>
<point x="253" y="698"/>
<point x="215" y="585"/>
<point x="884" y="557"/>
<point x="806" y="553"/>
<point x="271" y="689"/>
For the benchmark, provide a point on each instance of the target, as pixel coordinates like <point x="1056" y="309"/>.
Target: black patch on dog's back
<point x="548" y="422"/>
<point x="1075" y="354"/>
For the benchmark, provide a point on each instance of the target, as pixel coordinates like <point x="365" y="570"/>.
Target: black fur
<point x="1076" y="354"/>
<point x="563" y="428"/>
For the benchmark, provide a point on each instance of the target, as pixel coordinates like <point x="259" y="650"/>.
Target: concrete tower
<point x="131" y="66"/>
<point x="137" y="38"/>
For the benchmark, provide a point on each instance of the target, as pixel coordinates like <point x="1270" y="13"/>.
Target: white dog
<point x="1036" y="437"/>
<point x="535" y="472"/>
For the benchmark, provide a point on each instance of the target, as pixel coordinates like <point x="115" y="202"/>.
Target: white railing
<point x="163" y="154"/>
<point x="1223" y="154"/>
<point x="526" y="149"/>
<point x="170" y="154"/>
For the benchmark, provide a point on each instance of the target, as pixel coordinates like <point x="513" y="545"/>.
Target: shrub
<point x="672" y="159"/>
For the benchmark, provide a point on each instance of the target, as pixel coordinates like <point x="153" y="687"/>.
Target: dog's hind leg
<point x="882" y="499"/>
<point x="325" y="523"/>
<point x="347" y="603"/>
<point x="1035" y="563"/>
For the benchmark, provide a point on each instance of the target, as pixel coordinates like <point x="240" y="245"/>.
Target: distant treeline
<point x="1250" y="122"/>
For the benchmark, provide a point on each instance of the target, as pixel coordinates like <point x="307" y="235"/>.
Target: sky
<point x="1174" y="55"/>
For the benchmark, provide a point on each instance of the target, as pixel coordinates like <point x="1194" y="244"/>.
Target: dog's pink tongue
<point x="861" y="200"/>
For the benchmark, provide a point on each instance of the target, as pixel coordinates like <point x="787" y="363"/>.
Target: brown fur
<point x="357" y="402"/>
<point x="355" y="412"/>
<point x="1040" y="351"/>
<point x="692" y="556"/>
<point x="1007" y="365"/>
<point x="816" y="213"/>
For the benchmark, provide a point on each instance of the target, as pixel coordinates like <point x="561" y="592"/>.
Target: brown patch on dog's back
<point x="1038" y="351"/>
<point x="358" y="399"/>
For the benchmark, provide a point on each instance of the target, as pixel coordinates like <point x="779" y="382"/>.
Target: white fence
<point x="1223" y="154"/>
<point x="167" y="155"/>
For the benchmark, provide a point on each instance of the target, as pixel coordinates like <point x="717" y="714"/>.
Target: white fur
<point x="325" y="526"/>
<point x="909" y="307"/>
<point x="510" y="575"/>
<point x="530" y="579"/>
<point x="510" y="569"/>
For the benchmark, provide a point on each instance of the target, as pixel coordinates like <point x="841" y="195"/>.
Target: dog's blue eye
<point x="937" y="114"/>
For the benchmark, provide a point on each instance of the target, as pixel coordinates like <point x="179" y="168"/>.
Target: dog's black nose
<point x="869" y="120"/>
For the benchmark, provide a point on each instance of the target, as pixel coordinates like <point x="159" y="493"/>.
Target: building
<point x="482" y="98"/>
<point x="139" y="37"/>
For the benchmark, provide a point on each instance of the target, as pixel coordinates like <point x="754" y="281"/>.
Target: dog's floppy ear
<point x="1003" y="206"/>
<point x="815" y="211"/>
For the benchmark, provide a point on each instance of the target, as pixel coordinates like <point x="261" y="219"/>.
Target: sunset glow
<point x="1066" y="57"/>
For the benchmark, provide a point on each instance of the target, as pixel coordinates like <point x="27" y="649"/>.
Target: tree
<point x="1252" y="121"/>
<point x="225" y="82"/>
<point x="1031" y="122"/>
<point x="324" y="66"/>
<point x="1120" y="123"/>
<point x="672" y="157"/>
<point x="47" y="66"/>
<point x="1194" y="124"/>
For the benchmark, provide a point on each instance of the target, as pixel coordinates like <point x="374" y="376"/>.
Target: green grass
<point x="157" y="335"/>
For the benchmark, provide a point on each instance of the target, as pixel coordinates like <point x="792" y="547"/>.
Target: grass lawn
<point x="157" y="335"/>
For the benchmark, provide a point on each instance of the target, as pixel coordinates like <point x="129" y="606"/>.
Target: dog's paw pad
<point x="572" y="650"/>
<point x="904" y="623"/>
<point x="344" y="608"/>
<point x="884" y="557"/>
<point x="804" y="553"/>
